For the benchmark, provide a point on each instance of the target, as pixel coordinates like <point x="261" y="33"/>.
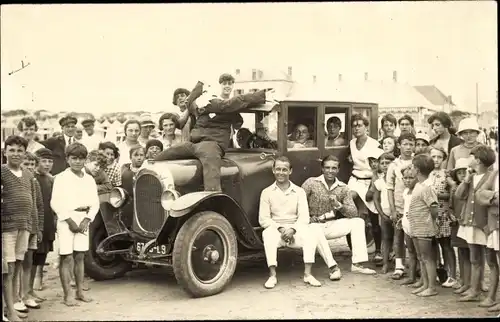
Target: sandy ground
<point x="154" y="294"/>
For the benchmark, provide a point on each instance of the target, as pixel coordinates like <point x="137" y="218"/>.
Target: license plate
<point x="155" y="250"/>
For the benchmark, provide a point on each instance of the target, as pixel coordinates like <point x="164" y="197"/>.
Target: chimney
<point x="366" y="76"/>
<point x="237" y="71"/>
<point x="314" y="79"/>
<point x="340" y="77"/>
<point x="254" y="74"/>
<point x="395" y="76"/>
<point x="449" y="100"/>
<point x="290" y="71"/>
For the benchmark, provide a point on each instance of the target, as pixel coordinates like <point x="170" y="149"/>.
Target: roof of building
<point x="385" y="94"/>
<point x="433" y="94"/>
<point x="245" y="75"/>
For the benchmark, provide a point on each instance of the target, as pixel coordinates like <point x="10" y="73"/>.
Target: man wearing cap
<point x="210" y="136"/>
<point x="147" y="126"/>
<point x="90" y="139"/>
<point x="58" y="144"/>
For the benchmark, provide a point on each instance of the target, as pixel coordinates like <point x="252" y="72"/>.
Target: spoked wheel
<point x="205" y="253"/>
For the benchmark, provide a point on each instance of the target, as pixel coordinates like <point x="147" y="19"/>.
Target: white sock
<point x="399" y="263"/>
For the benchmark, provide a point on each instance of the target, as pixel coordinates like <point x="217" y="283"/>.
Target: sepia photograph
<point x="249" y="161"/>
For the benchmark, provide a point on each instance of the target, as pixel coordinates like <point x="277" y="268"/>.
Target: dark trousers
<point x="208" y="152"/>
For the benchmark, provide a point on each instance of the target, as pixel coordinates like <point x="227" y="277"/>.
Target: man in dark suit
<point x="59" y="143"/>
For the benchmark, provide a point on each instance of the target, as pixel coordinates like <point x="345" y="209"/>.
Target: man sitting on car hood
<point x="210" y="135"/>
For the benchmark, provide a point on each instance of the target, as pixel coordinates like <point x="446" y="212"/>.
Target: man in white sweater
<point x="75" y="209"/>
<point x="284" y="215"/>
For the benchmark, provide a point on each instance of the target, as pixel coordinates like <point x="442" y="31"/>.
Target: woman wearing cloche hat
<point x="468" y="129"/>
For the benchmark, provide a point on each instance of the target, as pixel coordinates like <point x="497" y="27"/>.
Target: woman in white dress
<point x="132" y="129"/>
<point x="362" y="173"/>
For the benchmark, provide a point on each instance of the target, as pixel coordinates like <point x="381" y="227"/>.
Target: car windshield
<point x="258" y="131"/>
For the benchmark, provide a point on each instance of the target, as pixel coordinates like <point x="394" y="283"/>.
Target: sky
<point x="127" y="57"/>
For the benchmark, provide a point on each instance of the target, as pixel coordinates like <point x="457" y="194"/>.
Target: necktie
<point x="70" y="140"/>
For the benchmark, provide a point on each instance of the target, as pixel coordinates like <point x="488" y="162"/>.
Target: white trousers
<point x="340" y="228"/>
<point x="304" y="238"/>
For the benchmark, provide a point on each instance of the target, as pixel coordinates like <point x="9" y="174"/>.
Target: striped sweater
<point x="22" y="206"/>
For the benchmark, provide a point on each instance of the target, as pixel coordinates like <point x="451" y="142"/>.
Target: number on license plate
<point x="157" y="249"/>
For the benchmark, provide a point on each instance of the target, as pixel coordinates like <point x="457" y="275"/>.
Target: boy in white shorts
<point x="75" y="201"/>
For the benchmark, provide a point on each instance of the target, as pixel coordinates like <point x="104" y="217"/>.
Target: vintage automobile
<point x="169" y="220"/>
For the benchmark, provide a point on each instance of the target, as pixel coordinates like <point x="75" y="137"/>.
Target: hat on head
<point x="462" y="163"/>
<point x="44" y="153"/>
<point x="146" y="120"/>
<point x="67" y="120"/>
<point x="375" y="153"/>
<point x="88" y="120"/>
<point x="468" y="124"/>
<point x="422" y="136"/>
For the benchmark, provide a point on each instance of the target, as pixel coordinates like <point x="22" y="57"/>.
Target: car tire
<point x="192" y="268"/>
<point x="98" y="267"/>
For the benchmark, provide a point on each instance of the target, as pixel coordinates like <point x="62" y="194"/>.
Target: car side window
<point x="336" y="127"/>
<point x="301" y="132"/>
<point x="258" y="131"/>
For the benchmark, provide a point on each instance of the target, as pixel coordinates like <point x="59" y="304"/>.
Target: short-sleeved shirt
<point x="419" y="215"/>
<point x="381" y="186"/>
<point x="395" y="181"/>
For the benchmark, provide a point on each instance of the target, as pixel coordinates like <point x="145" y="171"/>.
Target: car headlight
<point x="167" y="198"/>
<point x="117" y="197"/>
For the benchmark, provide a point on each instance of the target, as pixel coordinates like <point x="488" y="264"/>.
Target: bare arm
<point x="391" y="181"/>
<point x="376" y="202"/>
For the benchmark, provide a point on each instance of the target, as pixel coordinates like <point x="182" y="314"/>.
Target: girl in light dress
<point x="445" y="218"/>
<point x="474" y="226"/>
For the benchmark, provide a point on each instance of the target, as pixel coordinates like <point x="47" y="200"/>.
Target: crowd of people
<point x="436" y="194"/>
<point x="419" y="194"/>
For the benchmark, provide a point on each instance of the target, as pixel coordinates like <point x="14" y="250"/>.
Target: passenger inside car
<point x="300" y="138"/>
<point x="334" y="136"/>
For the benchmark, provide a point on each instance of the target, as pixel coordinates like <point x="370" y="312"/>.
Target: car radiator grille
<point x="149" y="212"/>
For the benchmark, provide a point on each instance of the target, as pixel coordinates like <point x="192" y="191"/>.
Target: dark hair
<point x="407" y="136"/>
<point x="408" y="118"/>
<point x="359" y="117"/>
<point x="423" y="163"/>
<point x="44" y="153"/>
<point x="485" y="154"/>
<point x="76" y="150"/>
<point x="31" y="157"/>
<point x="154" y="142"/>
<point x="442" y="117"/>
<point x="27" y="121"/>
<point x="130" y="122"/>
<point x="282" y="159"/>
<point x="168" y="116"/>
<point x="387" y="156"/>
<point x="96" y="155"/>
<point x="135" y="148"/>
<point x="16" y="140"/>
<point x="177" y="92"/>
<point x="388" y="118"/>
<point x="440" y="149"/>
<point x="110" y="145"/>
<point x="335" y="120"/>
<point x="453" y="174"/>
<point x="329" y="157"/>
<point x="226" y="78"/>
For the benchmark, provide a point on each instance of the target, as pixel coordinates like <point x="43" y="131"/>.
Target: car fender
<point x="219" y="202"/>
<point x="108" y="215"/>
<point x="184" y="204"/>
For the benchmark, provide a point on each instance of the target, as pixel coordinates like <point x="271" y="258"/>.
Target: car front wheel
<point x="103" y="267"/>
<point x="205" y="253"/>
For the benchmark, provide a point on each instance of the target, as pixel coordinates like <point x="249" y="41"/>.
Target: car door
<point x="302" y="119"/>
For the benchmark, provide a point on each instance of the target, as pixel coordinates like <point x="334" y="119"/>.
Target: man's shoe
<point x="357" y="268"/>
<point x="19" y="306"/>
<point x="311" y="281"/>
<point x="335" y="274"/>
<point x="271" y="282"/>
